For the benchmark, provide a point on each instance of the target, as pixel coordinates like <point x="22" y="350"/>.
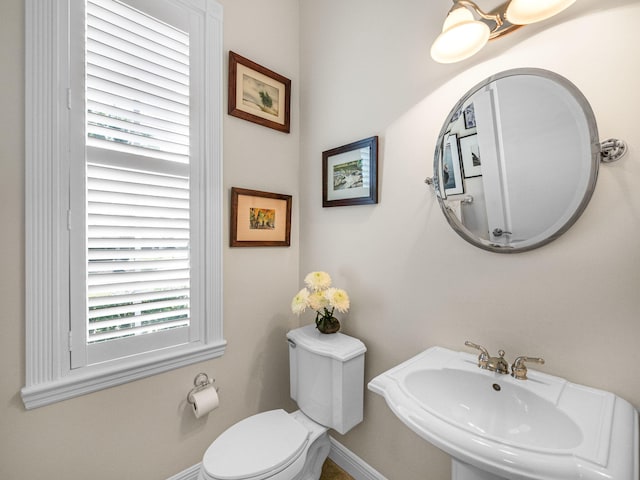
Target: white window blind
<point x="137" y="71"/>
<point x="123" y="192"/>
<point x="138" y="252"/>
<point x="137" y="176"/>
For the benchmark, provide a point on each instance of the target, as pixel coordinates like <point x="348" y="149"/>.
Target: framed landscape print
<point x="260" y="219"/>
<point x="350" y="174"/>
<point x="258" y="94"/>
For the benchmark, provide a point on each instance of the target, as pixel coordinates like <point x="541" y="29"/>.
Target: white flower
<point x="300" y="302"/>
<point x="320" y="296"/>
<point x="318" y="300"/>
<point x="318" y="281"/>
<point x="338" y="299"/>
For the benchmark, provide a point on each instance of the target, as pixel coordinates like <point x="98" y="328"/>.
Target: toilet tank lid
<point x="335" y="345"/>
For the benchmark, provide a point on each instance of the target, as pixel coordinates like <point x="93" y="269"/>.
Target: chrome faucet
<point x="487" y="362"/>
<point x="499" y="364"/>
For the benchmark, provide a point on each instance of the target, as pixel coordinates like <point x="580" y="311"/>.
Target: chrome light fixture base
<point x="495" y="19"/>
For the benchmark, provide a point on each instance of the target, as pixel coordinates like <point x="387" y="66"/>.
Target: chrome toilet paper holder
<point x="201" y="382"/>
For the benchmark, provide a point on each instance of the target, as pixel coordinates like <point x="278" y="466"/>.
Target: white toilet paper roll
<point x="204" y="401"/>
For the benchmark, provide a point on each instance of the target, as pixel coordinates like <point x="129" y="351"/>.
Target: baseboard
<point x="341" y="455"/>
<point x="351" y="463"/>
<point x="190" y="473"/>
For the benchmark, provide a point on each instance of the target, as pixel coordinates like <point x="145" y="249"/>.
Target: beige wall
<point x="413" y="282"/>
<point x="144" y="430"/>
<point x="364" y="70"/>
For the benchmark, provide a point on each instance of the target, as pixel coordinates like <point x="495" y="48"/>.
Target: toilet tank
<point x="327" y="376"/>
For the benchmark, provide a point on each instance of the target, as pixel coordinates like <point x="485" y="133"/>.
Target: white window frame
<point x="48" y="101"/>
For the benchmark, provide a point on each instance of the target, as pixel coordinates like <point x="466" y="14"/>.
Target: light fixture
<point x="524" y="12"/>
<point x="468" y="28"/>
<point x="462" y="36"/>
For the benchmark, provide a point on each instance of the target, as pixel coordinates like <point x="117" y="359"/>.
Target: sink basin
<point x="489" y="406"/>
<point x="541" y="428"/>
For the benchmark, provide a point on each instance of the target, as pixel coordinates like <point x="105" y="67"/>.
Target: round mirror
<point x="517" y="160"/>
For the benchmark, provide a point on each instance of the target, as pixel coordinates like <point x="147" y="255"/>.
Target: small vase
<point x="328" y="324"/>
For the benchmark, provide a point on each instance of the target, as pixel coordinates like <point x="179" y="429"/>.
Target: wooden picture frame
<point x="260" y="219"/>
<point x="350" y="174"/>
<point x="258" y="95"/>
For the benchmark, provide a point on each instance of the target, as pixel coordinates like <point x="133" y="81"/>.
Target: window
<point x="123" y="192"/>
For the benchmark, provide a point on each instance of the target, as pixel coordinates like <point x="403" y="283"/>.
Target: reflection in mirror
<point x="517" y="160"/>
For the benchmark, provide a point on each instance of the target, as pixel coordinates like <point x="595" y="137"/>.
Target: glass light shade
<point x="456" y="16"/>
<point x="461" y="37"/>
<point x="523" y="12"/>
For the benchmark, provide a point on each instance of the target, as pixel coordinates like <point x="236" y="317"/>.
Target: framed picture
<point x="470" y="154"/>
<point x="350" y="174"/>
<point x="258" y="94"/>
<point x="469" y="117"/>
<point x="260" y="219"/>
<point x="451" y="174"/>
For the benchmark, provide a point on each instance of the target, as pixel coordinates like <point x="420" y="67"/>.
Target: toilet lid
<point x="263" y="443"/>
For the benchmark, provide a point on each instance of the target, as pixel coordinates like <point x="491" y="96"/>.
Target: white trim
<point x="341" y="455"/>
<point x="48" y="377"/>
<point x="214" y="197"/>
<point x="90" y="379"/>
<point x="351" y="463"/>
<point x="190" y="473"/>
<point x="45" y="232"/>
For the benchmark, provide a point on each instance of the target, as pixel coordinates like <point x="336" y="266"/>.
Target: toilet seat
<point x="256" y="448"/>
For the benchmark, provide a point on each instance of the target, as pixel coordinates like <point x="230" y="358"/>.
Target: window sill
<point x="101" y="376"/>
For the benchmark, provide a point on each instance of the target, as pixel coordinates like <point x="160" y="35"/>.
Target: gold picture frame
<point x="258" y="95"/>
<point x="260" y="219"/>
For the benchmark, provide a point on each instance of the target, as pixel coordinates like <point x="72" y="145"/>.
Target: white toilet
<point x="327" y="382"/>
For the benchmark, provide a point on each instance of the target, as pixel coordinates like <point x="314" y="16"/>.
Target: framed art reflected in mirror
<point x="470" y="155"/>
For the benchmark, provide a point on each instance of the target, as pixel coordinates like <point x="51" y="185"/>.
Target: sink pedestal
<point x="464" y="471"/>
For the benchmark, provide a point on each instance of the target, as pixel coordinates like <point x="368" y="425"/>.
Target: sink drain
<point x="496" y="387"/>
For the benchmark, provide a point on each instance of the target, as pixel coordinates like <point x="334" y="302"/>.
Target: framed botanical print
<point x="258" y="94"/>
<point x="260" y="219"/>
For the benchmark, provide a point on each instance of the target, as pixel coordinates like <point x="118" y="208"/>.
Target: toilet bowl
<point x="273" y="445"/>
<point x="327" y="382"/>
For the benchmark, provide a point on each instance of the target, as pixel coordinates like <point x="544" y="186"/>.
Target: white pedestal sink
<point x="497" y="427"/>
<point x="463" y="471"/>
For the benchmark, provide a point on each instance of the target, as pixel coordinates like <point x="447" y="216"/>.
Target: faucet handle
<point x="519" y="369"/>
<point x="483" y="358"/>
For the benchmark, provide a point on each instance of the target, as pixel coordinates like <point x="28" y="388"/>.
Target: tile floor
<point x="330" y="471"/>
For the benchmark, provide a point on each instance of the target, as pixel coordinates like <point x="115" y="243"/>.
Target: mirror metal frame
<point x="453" y="220"/>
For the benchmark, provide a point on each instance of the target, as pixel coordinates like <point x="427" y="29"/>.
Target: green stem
<point x="327" y="314"/>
